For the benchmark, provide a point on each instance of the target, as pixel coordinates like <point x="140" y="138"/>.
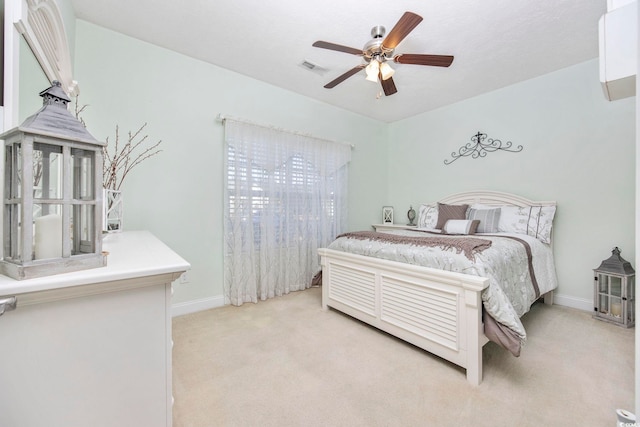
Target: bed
<point x="448" y="298"/>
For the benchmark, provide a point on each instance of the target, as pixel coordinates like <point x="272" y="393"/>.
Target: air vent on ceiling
<point x="313" y="67"/>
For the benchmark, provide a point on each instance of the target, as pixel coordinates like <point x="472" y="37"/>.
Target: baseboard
<point x="194" y="306"/>
<point x="573" y="302"/>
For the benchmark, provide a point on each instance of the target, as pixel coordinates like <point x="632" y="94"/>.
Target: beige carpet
<point x="285" y="362"/>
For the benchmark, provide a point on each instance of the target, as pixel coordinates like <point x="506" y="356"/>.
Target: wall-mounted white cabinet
<point x="618" y="51"/>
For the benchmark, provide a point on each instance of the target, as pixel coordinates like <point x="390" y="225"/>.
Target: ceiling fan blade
<point x="388" y="86"/>
<point x="338" y="47"/>
<point x="403" y="27"/>
<point x="418" y="59"/>
<point x="333" y="83"/>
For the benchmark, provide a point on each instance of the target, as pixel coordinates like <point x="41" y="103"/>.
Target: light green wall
<point x="177" y="195"/>
<point x="69" y="19"/>
<point x="31" y="82"/>
<point x="579" y="150"/>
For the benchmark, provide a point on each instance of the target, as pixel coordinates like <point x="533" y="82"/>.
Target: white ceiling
<point x="496" y="43"/>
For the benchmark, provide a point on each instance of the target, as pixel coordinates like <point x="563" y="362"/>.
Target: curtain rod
<point x="221" y="118"/>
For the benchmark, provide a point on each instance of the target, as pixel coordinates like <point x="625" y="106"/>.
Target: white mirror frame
<point x="43" y="29"/>
<point x="40" y="23"/>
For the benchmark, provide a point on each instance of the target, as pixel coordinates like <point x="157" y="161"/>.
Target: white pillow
<point x="427" y="216"/>
<point x="460" y="226"/>
<point x="535" y="221"/>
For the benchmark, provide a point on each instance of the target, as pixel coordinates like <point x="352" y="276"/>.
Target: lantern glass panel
<point x="83" y="177"/>
<point x="82" y="240"/>
<point x="604" y="303"/>
<point x="13" y="160"/>
<point x="615" y="308"/>
<point x="13" y="246"/>
<point x="47" y="231"/>
<point x="603" y="283"/>
<point x="616" y="286"/>
<point x="47" y="171"/>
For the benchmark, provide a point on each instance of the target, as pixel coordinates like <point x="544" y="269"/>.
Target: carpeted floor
<point x="285" y="362"/>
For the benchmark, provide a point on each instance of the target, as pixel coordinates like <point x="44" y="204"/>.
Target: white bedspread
<point x="510" y="292"/>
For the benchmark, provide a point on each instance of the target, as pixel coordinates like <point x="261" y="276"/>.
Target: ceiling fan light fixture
<point x="386" y="71"/>
<point x="372" y="70"/>
<point x="372" y="78"/>
<point x="380" y="50"/>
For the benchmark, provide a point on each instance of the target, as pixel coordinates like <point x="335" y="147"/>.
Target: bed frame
<point x="436" y="310"/>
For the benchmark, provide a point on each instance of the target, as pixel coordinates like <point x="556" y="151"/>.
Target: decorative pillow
<point x="427" y="216"/>
<point x="461" y="226"/>
<point x="447" y="212"/>
<point x="535" y="221"/>
<point x="489" y="219"/>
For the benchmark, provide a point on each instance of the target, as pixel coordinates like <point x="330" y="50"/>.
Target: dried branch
<point x="79" y="110"/>
<point x="121" y="161"/>
<point x="117" y="164"/>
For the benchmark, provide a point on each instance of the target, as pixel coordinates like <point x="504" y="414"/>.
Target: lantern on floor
<point x="614" y="298"/>
<point x="52" y="193"/>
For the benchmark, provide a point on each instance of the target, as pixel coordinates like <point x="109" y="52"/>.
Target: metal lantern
<point x="52" y="193"/>
<point x="614" y="287"/>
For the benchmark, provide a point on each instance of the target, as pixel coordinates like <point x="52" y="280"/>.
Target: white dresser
<point x="92" y="348"/>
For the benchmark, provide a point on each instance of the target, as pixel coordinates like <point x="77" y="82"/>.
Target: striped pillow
<point x="489" y="219"/>
<point x="447" y="212"/>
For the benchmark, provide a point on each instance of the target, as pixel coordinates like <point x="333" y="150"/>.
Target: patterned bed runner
<point x="467" y="245"/>
<point x="532" y="273"/>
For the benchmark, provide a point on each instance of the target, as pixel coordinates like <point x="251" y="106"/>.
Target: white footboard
<point x="436" y="310"/>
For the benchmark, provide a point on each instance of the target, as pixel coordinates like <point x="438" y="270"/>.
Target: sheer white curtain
<point x="285" y="197"/>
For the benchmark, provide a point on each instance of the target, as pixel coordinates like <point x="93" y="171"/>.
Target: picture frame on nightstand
<point x="387" y="214"/>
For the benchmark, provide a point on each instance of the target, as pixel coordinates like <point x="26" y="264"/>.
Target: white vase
<point x="112" y="203"/>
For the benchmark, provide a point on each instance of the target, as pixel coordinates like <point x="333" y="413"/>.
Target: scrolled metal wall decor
<point x="478" y="148"/>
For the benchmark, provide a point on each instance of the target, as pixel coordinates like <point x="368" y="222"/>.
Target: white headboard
<point x="497" y="198"/>
<point x="485" y="197"/>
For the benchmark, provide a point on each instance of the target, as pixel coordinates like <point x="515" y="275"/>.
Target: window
<point x="285" y="196"/>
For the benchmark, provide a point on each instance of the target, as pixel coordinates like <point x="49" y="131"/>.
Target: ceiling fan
<point x="378" y="51"/>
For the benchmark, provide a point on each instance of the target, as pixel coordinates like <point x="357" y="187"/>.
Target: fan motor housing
<point x="373" y="48"/>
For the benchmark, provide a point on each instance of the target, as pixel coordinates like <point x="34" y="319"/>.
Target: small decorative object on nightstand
<point x="411" y="214"/>
<point x="387" y="215"/>
<point x="614" y="291"/>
